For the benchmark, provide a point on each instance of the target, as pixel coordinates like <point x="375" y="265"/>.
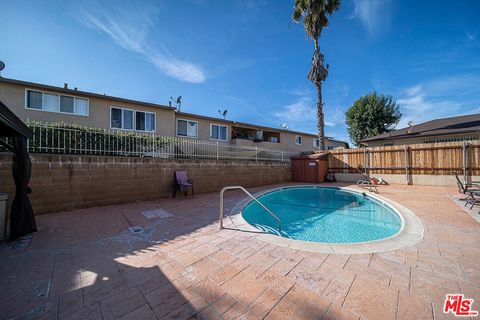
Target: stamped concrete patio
<point x="86" y="264"/>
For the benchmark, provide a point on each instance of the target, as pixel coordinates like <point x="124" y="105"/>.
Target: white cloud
<point x="300" y="92"/>
<point x="455" y="85"/>
<point x="130" y="37"/>
<point x="299" y="111"/>
<point x="341" y="92"/>
<point x="374" y="14"/>
<point x="299" y="115"/>
<point x="178" y="69"/>
<point x="418" y="106"/>
<point x="439" y="98"/>
<point x="129" y="28"/>
<point x="470" y="36"/>
<point x="413" y="91"/>
<point x="335" y="117"/>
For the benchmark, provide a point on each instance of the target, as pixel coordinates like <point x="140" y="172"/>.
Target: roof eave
<point x="82" y="93"/>
<point x="400" y="137"/>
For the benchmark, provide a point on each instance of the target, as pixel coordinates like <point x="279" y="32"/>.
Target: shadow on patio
<point x="86" y="264"/>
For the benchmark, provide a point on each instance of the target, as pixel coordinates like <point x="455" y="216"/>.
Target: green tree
<point x="314" y="15"/>
<point x="371" y="115"/>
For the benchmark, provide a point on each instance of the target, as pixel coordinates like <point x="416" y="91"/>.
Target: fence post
<point x="153" y="145"/>
<point x="365" y="164"/>
<point x="368" y="162"/>
<point x="406" y="165"/>
<point x="464" y="158"/>
<point x="470" y="161"/>
<point x="282" y="155"/>
<point x="217" y="150"/>
<point x="256" y="153"/>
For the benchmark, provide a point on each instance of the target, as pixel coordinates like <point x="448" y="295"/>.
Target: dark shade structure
<point x="22" y="219"/>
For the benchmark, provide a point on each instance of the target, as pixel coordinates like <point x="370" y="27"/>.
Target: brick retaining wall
<point x="66" y="182"/>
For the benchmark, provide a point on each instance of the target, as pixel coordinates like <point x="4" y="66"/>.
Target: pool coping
<point x="409" y="234"/>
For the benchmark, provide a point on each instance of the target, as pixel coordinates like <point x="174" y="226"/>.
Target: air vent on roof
<point x="410" y="126"/>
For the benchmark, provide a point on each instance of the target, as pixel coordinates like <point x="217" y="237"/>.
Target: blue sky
<point x="244" y="55"/>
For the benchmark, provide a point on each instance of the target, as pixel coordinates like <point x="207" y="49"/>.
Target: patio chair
<point x="471" y="190"/>
<point x="182" y="183"/>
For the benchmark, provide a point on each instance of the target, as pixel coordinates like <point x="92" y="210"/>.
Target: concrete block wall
<point x="66" y="182"/>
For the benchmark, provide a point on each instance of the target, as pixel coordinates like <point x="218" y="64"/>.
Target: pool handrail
<point x="368" y="185"/>
<point x="253" y="198"/>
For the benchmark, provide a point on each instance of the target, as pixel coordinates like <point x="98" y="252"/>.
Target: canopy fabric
<point x="22" y="219"/>
<point x="11" y="125"/>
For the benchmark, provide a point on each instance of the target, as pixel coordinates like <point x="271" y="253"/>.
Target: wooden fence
<point x="426" y="159"/>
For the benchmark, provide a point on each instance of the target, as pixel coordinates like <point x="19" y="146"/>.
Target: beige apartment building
<point x="39" y="102"/>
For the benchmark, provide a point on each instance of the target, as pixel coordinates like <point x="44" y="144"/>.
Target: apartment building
<point x="40" y="102"/>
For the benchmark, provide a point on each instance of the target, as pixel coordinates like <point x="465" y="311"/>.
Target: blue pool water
<point x="320" y="214"/>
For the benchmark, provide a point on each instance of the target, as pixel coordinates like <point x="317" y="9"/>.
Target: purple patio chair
<point x="182" y="183"/>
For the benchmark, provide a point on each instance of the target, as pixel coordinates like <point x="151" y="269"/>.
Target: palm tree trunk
<point x="320" y="116"/>
<point x="320" y="119"/>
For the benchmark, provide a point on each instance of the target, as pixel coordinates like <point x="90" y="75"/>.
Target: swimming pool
<point x="324" y="214"/>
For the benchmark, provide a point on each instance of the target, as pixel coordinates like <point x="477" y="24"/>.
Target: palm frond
<point x="313" y="14"/>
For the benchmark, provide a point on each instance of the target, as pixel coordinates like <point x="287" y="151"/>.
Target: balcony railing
<point x="66" y="139"/>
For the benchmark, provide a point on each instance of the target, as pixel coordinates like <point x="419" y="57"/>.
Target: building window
<point x="127" y="119"/>
<point x="52" y="102"/>
<point x="316" y="142"/>
<point x="298" y="140"/>
<point x="121" y="118"/>
<point x="187" y="128"/>
<point x="34" y="99"/>
<point x="81" y="106"/>
<point x="66" y="104"/>
<point x="144" y="121"/>
<point x="218" y="132"/>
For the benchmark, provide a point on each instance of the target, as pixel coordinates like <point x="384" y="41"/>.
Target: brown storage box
<point x="311" y="169"/>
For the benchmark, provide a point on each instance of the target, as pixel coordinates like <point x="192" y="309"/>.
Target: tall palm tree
<point x="314" y="15"/>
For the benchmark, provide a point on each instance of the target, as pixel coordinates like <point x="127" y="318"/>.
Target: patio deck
<point x="85" y="264"/>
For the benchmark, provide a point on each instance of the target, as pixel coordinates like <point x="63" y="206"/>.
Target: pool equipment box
<point x="310" y="169"/>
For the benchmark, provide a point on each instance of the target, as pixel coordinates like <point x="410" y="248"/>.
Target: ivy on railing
<point x="60" y="137"/>
<point x="63" y="138"/>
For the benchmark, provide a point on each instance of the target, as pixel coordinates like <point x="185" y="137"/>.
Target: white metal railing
<point x="251" y="197"/>
<point x="48" y="138"/>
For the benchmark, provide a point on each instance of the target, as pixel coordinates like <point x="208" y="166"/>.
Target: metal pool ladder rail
<point x="253" y="198"/>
